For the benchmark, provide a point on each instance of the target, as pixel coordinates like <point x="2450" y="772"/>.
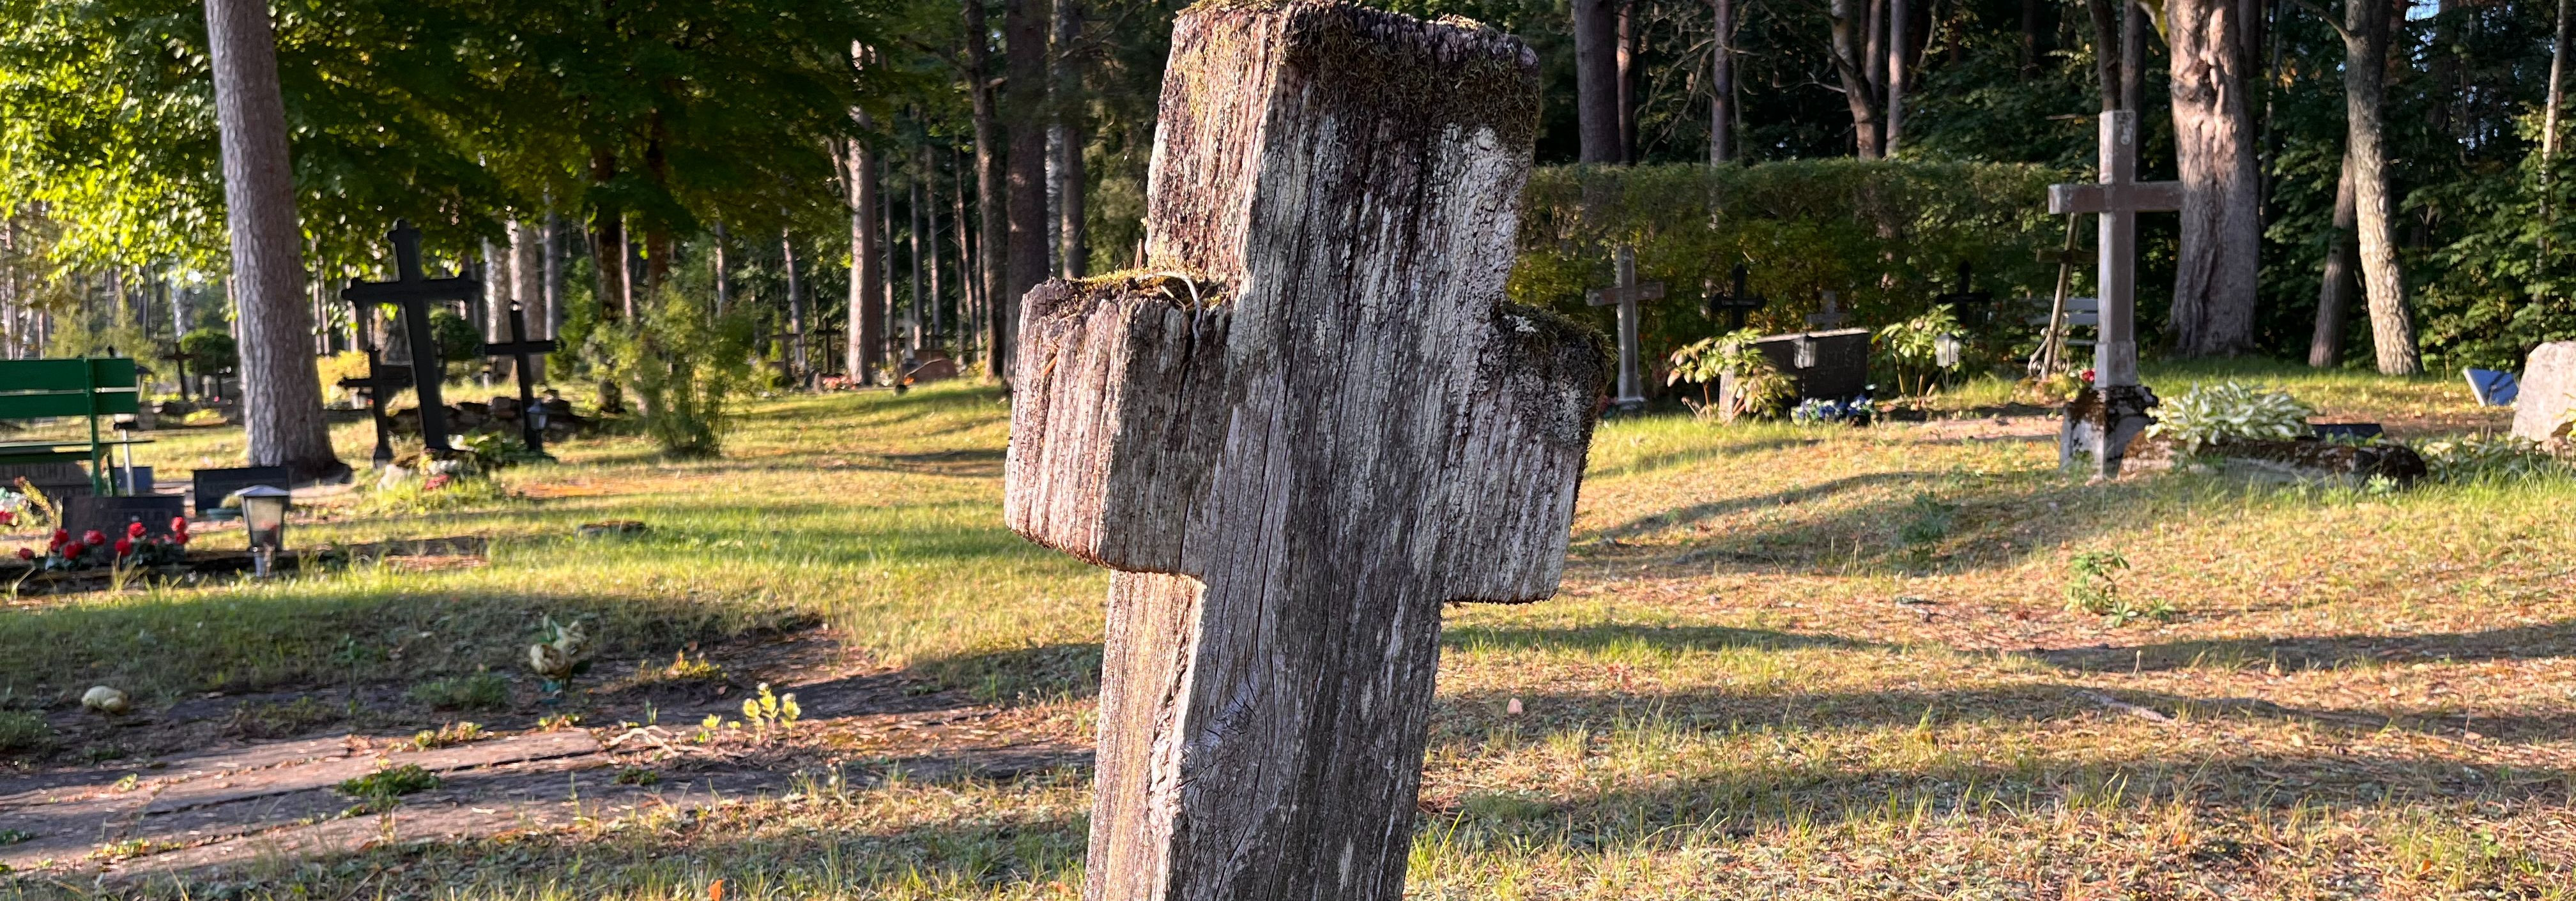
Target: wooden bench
<point x="89" y="388"/>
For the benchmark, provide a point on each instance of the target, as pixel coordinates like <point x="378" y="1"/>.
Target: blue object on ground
<point x="2492" y="388"/>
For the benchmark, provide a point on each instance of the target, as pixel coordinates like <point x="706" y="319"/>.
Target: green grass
<point x="2359" y="694"/>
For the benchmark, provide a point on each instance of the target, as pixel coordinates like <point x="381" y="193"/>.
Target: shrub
<point x="212" y="350"/>
<point x="2210" y="414"/>
<point x="23" y="731"/>
<point x="1760" y="388"/>
<point x="685" y="364"/>
<point x="1914" y="345"/>
<point x="2477" y="457"/>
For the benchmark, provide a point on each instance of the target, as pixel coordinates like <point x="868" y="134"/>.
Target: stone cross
<point x="519" y="348"/>
<point x="1329" y="183"/>
<point x="1735" y="303"/>
<point x="1832" y="315"/>
<point x="415" y="293"/>
<point x="2100" y="425"/>
<point x="1626" y="295"/>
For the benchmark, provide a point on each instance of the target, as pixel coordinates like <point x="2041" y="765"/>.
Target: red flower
<point x="134" y="530"/>
<point x="26" y="553"/>
<point x="179" y="525"/>
<point x="72" y="551"/>
<point x="125" y="546"/>
<point x="61" y="537"/>
<point x="180" y="539"/>
<point x="2088" y="376"/>
<point x="7" y="517"/>
<point x="93" y="537"/>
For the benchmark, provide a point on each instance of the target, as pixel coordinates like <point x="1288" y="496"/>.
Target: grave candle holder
<point x="264" y="517"/>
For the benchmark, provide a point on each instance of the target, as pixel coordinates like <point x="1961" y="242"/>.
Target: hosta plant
<point x="2210" y="414"/>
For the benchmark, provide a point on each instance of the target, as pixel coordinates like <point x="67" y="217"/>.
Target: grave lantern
<point x="1945" y="351"/>
<point x="264" y="516"/>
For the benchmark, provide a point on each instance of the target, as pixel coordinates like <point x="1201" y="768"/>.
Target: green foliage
<point x="769" y="712"/>
<point x="1885" y="237"/>
<point x="1760" y="387"/>
<point x="458" y="340"/>
<point x="212" y="349"/>
<point x="2475" y="458"/>
<point x="1914" y="346"/>
<point x="2209" y="414"/>
<point x="481" y="691"/>
<point x="377" y="791"/>
<point x="22" y="730"/>
<point x="2093" y="586"/>
<point x="685" y="365"/>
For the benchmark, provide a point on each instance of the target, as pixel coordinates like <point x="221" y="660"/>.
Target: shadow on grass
<point x="1617" y="637"/>
<point x="2554" y="640"/>
<point x="1658" y="462"/>
<point x="1700" y="512"/>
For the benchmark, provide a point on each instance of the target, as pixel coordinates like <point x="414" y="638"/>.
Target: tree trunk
<point x="928" y="199"/>
<point x="2556" y="99"/>
<point x="798" y="356"/>
<point x="1596" y="81"/>
<point x="2214" y="274"/>
<point x="2105" y="15"/>
<point x="970" y="294"/>
<point x="992" y="221"/>
<point x="1632" y="35"/>
<point x="608" y="246"/>
<point x="1852" y="66"/>
<point x="1895" y="75"/>
<point x="528" y="286"/>
<point x="2392" y="330"/>
<point x="1721" y="84"/>
<point x="282" y="391"/>
<point x="721" y="267"/>
<point x="866" y="343"/>
<point x="912" y="224"/>
<point x="2334" y="293"/>
<point x="2133" y="56"/>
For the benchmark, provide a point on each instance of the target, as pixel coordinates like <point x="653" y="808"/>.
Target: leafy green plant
<point x="2228" y="411"/>
<point x="1760" y="389"/>
<point x="2093" y="586"/>
<point x="1915" y="346"/>
<point x="209" y="350"/>
<point x="2471" y="458"/>
<point x="768" y="712"/>
<point x="685" y="364"/>
<point x="1927" y="520"/>
<point x="482" y="691"/>
<point x="378" y="790"/>
<point x="455" y="733"/>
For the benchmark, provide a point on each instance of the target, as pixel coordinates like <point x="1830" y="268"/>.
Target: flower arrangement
<point x="93" y="548"/>
<point x="1819" y="411"/>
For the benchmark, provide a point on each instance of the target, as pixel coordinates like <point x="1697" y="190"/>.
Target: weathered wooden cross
<point x="415" y="293"/>
<point x="380" y="384"/>
<point x="1734" y="304"/>
<point x="1626" y="295"/>
<point x="1330" y="184"/>
<point x="1832" y="316"/>
<point x="2100" y="425"/>
<point x="519" y="348"/>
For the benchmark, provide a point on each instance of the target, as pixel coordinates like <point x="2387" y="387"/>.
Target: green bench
<point x="90" y="387"/>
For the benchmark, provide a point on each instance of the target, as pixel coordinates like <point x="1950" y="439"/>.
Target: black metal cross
<point x="1735" y="303"/>
<point x="519" y="350"/>
<point x="379" y="384"/>
<point x="1963" y="298"/>
<point x="181" y="358"/>
<point x="414" y="294"/>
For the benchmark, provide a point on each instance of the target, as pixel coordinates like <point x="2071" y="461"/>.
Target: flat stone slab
<point x="2548" y="393"/>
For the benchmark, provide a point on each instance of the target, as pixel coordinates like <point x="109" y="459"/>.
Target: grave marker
<point x="1964" y="298"/>
<point x="1736" y="303"/>
<point x="1625" y="296"/>
<point x="381" y="381"/>
<point x="1285" y="533"/>
<point x="415" y="293"/>
<point x="2101" y="423"/>
<point x="519" y="349"/>
<point x="1831" y="317"/>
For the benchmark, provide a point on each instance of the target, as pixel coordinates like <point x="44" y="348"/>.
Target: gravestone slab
<point x="57" y="480"/>
<point x="1822" y="365"/>
<point x="112" y="514"/>
<point x="212" y="485"/>
<point x="2548" y="393"/>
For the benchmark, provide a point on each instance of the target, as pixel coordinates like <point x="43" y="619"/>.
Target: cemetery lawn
<point x="1786" y="662"/>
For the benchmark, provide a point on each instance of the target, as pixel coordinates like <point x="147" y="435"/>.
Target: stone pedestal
<point x="2548" y="393"/>
<point x="2100" y="423"/>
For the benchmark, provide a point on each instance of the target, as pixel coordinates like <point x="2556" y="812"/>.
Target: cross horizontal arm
<point x="521" y="348"/>
<point x="2133" y="197"/>
<point x="425" y="291"/>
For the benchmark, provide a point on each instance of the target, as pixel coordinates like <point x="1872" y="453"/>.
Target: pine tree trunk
<point x="1895" y="75"/>
<point x="1024" y="107"/>
<point x="2222" y="232"/>
<point x="2392" y="330"/>
<point x="1596" y="80"/>
<point x="929" y="200"/>
<point x="1721" y="84"/>
<point x="282" y="391"/>
<point x="865" y="349"/>
<point x="1631" y="38"/>
<point x="991" y="220"/>
<point x="2334" y="293"/>
<point x="799" y="356"/>
<point x="1852" y="66"/>
<point x="2105" y="15"/>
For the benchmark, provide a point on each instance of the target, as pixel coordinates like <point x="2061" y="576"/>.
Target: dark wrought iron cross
<point x="415" y="293"/>
<point x="1964" y="297"/>
<point x="1736" y="303"/>
<point x="519" y="350"/>
<point x="1625" y="296"/>
<point x="379" y="384"/>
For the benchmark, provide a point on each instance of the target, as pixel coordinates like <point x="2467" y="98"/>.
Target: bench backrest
<point x="91" y="386"/>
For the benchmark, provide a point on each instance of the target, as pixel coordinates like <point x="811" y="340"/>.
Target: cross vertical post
<point x="2101" y="424"/>
<point x="414" y="294"/>
<point x="1625" y="295"/>
<point x="519" y="348"/>
<point x="1286" y="534"/>
<point x="1737" y="302"/>
<point x="379" y="383"/>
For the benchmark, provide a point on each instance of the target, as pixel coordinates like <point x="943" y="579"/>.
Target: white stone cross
<point x="1626" y="295"/>
<point x="2119" y="198"/>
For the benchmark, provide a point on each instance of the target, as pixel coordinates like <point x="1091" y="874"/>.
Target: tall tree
<point x="2365" y="42"/>
<point x="2334" y="292"/>
<point x="866" y="341"/>
<point x="1024" y="102"/>
<point x="1850" y="21"/>
<point x="1721" y="85"/>
<point x="1073" y="249"/>
<point x="992" y="221"/>
<point x="2222" y="233"/>
<point x="1896" y="45"/>
<point x="281" y="390"/>
<point x="1596" y="80"/>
